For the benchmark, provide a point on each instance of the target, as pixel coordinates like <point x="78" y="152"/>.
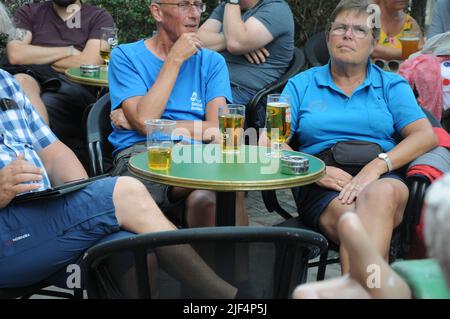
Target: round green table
<point x="206" y="167"/>
<point x="74" y="75"/>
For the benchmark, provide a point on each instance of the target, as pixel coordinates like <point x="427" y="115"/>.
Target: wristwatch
<point x="232" y="1"/>
<point x="388" y="161"/>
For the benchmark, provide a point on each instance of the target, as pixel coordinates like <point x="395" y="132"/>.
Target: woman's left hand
<point x="351" y="191"/>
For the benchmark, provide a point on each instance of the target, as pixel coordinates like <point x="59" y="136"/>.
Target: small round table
<point x="206" y="167"/>
<point x="74" y="75"/>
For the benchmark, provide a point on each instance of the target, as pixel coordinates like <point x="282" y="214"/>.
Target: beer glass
<point x="278" y="122"/>
<point x="231" y="125"/>
<point x="159" y="143"/>
<point x="410" y="43"/>
<point x="108" y="41"/>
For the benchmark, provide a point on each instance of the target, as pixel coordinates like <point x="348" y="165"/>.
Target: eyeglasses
<point x="391" y="66"/>
<point x="186" y="5"/>
<point x="359" y="31"/>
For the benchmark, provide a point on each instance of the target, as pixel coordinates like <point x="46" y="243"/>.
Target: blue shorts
<point x="40" y="238"/>
<point x="312" y="200"/>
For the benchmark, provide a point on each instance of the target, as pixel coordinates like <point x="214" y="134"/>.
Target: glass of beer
<point x="108" y="41"/>
<point x="278" y="122"/>
<point x="231" y="125"/>
<point x="410" y="43"/>
<point x="159" y="143"/>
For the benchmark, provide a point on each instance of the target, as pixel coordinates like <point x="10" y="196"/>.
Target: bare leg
<point x="201" y="209"/>
<point x="32" y="90"/>
<point x="380" y="207"/>
<point x="364" y="257"/>
<point x="367" y="266"/>
<point x="137" y="212"/>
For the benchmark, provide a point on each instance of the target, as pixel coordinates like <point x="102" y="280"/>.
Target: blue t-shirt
<point x="323" y="115"/>
<point x="133" y="69"/>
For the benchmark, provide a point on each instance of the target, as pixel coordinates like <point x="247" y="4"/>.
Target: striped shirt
<point x="22" y="130"/>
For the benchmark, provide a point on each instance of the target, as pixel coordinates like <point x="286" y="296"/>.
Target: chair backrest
<point x="255" y="114"/>
<point x="272" y="261"/>
<point x="98" y="128"/>
<point x="316" y="50"/>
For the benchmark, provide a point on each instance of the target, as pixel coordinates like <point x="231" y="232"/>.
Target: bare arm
<point x="151" y="106"/>
<point x="211" y="36"/>
<point x="61" y="164"/>
<point x="21" y="51"/>
<point x="242" y="37"/>
<point x="90" y="55"/>
<point x="419" y="138"/>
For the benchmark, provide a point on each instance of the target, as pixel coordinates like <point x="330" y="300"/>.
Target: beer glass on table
<point x="108" y="41"/>
<point x="278" y="122"/>
<point x="159" y="143"/>
<point x="231" y="125"/>
<point x="410" y="43"/>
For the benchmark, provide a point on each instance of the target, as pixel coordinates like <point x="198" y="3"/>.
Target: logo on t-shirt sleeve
<point x="196" y="103"/>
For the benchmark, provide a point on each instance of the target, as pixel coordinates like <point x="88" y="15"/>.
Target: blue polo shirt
<point x="133" y="70"/>
<point x="322" y="114"/>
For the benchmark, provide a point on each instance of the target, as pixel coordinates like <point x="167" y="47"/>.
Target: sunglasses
<point x="391" y="66"/>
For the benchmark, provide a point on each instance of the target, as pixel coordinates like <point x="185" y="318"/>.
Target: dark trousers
<point x="66" y="107"/>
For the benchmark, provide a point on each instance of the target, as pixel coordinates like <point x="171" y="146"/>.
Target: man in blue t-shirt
<point x="168" y="76"/>
<point x="256" y="38"/>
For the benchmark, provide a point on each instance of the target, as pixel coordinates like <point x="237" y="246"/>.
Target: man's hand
<point x="257" y="56"/>
<point x="186" y="46"/>
<point x="18" y="177"/>
<point x="335" y="179"/>
<point x="119" y="120"/>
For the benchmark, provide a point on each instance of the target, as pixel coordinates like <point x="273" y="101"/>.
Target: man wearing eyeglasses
<point x="169" y="76"/>
<point x="256" y="38"/>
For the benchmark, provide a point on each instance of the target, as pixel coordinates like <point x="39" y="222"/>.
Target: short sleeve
<point x="124" y="80"/>
<point x="23" y="18"/>
<point x="41" y="133"/>
<point x="292" y="90"/>
<point x="218" y="12"/>
<point x="103" y="19"/>
<point x="218" y="81"/>
<point x="276" y="17"/>
<point x="402" y="104"/>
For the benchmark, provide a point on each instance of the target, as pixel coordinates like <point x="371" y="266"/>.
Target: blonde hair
<point x="437" y="223"/>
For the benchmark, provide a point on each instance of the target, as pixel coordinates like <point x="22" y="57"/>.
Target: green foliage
<point x="134" y="21"/>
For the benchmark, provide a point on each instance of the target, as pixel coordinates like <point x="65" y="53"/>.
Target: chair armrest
<point x="424" y="278"/>
<point x="271" y="202"/>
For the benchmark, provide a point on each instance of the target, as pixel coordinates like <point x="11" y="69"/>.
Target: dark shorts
<point x="42" y="237"/>
<point x="159" y="192"/>
<point x="312" y="200"/>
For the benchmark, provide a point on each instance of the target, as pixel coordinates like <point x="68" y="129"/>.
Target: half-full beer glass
<point x="278" y="121"/>
<point x="231" y="124"/>
<point x="410" y="43"/>
<point x="108" y="41"/>
<point x="159" y="143"/>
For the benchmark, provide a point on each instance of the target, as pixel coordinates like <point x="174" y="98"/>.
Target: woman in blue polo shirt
<point x="351" y="99"/>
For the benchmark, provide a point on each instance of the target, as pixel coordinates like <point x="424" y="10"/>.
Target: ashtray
<point x="90" y="70"/>
<point x="294" y="164"/>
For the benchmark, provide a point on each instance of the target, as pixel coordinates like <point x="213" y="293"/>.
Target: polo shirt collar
<point x="373" y="76"/>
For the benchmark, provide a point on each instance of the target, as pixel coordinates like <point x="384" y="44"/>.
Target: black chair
<point x="276" y="260"/>
<point x="316" y="50"/>
<point x="98" y="128"/>
<point x="255" y="117"/>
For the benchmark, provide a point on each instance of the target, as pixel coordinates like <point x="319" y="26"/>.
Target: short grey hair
<point x="359" y="6"/>
<point x="437" y="223"/>
<point x="6" y="25"/>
